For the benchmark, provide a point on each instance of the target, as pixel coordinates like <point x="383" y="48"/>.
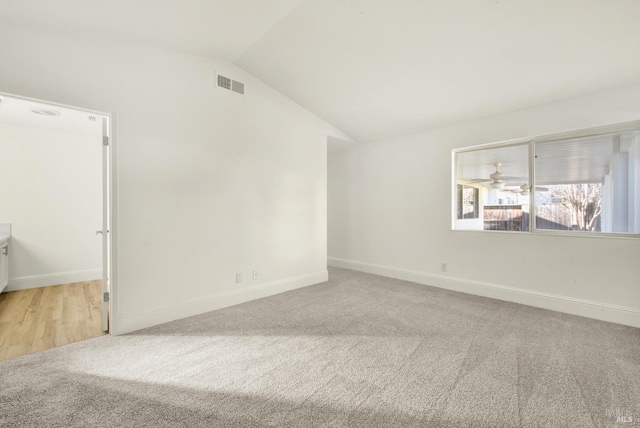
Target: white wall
<point x="390" y="213"/>
<point x="210" y="183"/>
<point x="51" y="193"/>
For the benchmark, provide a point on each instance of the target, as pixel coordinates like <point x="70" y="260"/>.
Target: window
<point x="582" y="182"/>
<point x="498" y="175"/>
<point x="589" y="183"/>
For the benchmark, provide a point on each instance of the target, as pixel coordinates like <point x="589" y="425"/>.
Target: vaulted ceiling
<point x="380" y="68"/>
<point x="215" y="28"/>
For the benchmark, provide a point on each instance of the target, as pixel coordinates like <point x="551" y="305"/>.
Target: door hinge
<point x="105" y="141"/>
<point x="106" y="296"/>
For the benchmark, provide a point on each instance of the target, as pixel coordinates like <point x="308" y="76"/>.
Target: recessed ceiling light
<point x="45" y="112"/>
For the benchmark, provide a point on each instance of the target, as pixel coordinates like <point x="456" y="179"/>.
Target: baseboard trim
<point x="586" y="308"/>
<point x="26" y="282"/>
<point x="129" y="323"/>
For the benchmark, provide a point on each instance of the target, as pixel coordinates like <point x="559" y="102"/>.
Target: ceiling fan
<point x="498" y="179"/>
<point x="524" y="189"/>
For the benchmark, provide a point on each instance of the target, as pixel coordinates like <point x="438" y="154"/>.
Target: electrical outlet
<point x="443" y="267"/>
<point x="238" y="277"/>
<point x="255" y="275"/>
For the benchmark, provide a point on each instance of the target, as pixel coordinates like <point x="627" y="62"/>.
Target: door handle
<point x="100" y="232"/>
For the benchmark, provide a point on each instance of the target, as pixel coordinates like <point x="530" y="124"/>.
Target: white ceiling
<point x="215" y="28"/>
<point x="377" y="69"/>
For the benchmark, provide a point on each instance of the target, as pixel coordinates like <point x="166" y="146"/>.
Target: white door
<point x="105" y="224"/>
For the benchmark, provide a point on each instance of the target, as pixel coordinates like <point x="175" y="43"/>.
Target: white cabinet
<point x="4" y="266"/>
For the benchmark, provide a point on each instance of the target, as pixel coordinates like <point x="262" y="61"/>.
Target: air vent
<point x="232" y="85"/>
<point x="237" y="87"/>
<point x="224" y="82"/>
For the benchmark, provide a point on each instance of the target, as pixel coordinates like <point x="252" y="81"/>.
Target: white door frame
<point x="106" y="203"/>
<point x="109" y="187"/>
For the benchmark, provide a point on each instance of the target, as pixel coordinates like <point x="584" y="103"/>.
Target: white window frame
<point x="531" y="143"/>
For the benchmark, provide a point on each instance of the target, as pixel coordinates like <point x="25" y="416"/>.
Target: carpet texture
<point x="357" y="351"/>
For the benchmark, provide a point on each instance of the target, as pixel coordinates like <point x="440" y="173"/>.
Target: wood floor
<point x="41" y="318"/>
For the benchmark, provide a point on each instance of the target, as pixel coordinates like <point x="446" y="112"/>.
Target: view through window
<point x="588" y="183"/>
<point x="500" y="178"/>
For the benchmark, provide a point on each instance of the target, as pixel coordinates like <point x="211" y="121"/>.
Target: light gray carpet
<point x="358" y="351"/>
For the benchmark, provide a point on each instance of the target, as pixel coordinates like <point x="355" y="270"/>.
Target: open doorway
<point x="55" y="243"/>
